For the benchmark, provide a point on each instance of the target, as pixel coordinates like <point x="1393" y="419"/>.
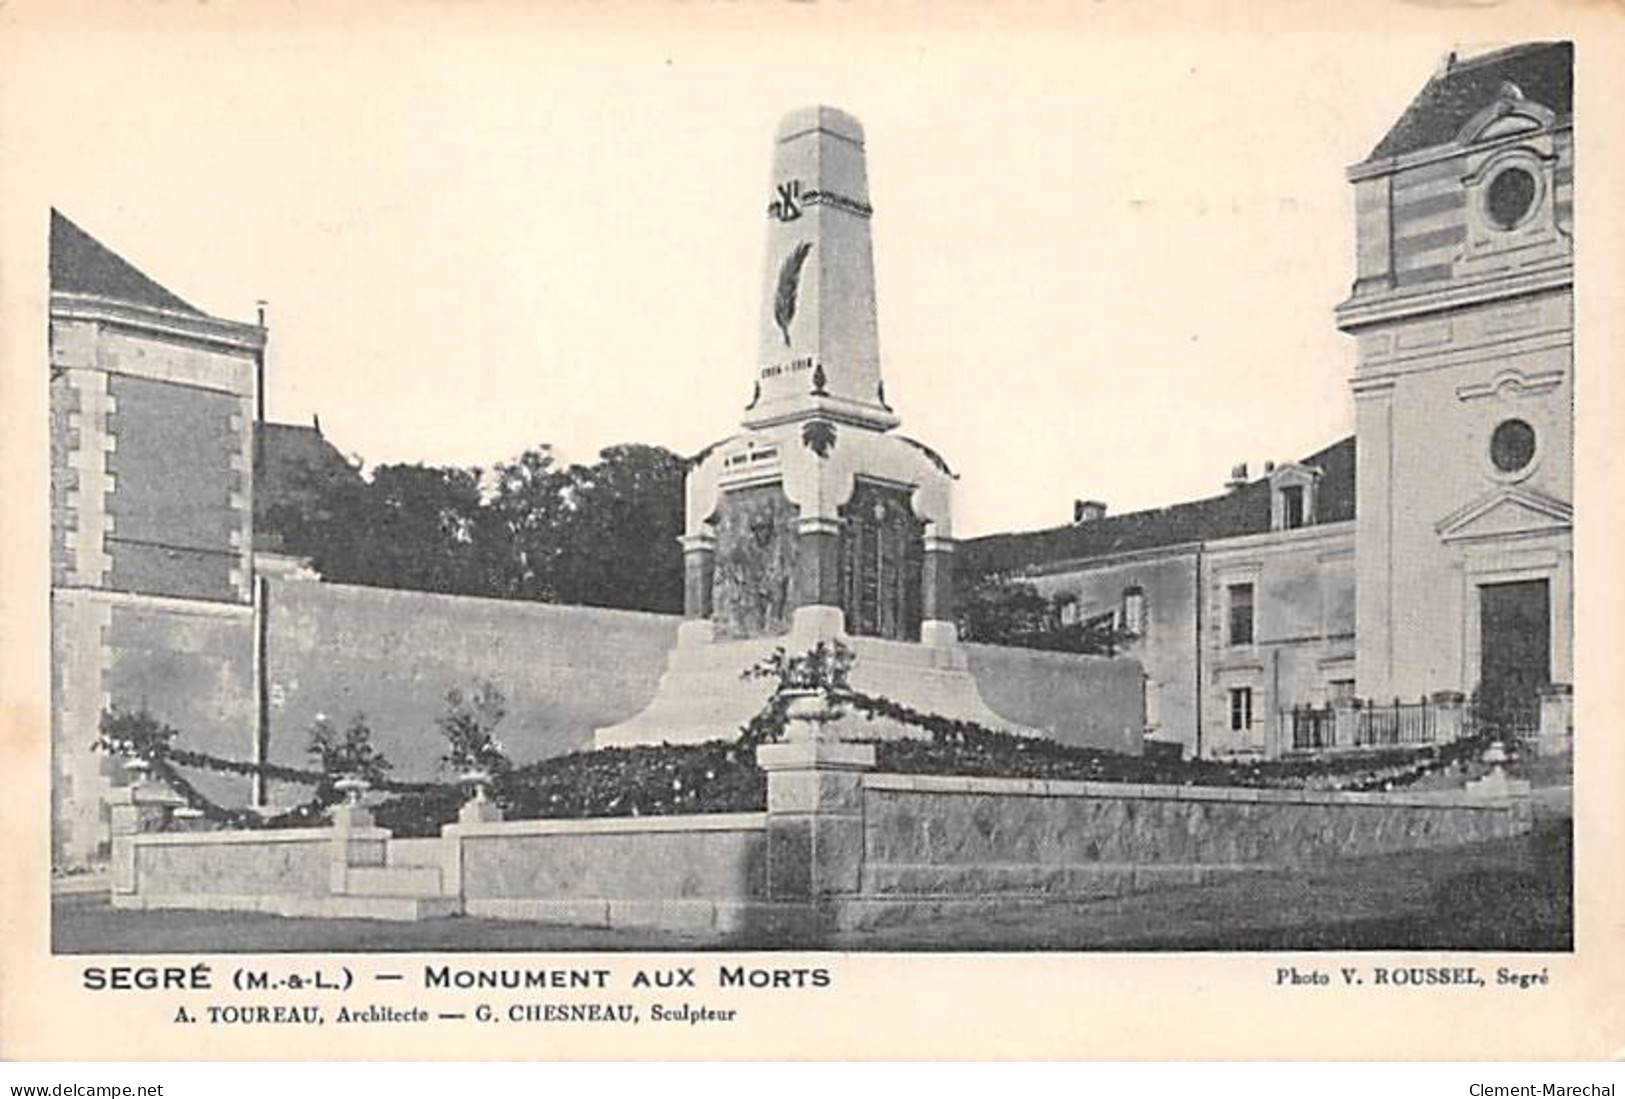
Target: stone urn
<point x="808" y="713"/>
<point x="478" y="781"/>
<point x="479" y="808"/>
<point x="139" y="769"/>
<point x="353" y="787"/>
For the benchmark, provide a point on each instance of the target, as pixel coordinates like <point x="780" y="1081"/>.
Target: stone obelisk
<point x="818" y="522"/>
<point x="819" y="351"/>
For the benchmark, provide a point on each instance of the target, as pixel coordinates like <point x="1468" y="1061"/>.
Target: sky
<point x="1106" y="264"/>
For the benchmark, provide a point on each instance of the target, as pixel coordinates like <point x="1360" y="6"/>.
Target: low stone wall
<point x="697" y="872"/>
<point x="839" y="847"/>
<point x="296" y="861"/>
<point x="988" y="837"/>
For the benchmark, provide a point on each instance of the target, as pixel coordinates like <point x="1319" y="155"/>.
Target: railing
<point x="1351" y="724"/>
<point x="1357" y="724"/>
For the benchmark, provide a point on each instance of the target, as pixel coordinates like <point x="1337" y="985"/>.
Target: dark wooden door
<point x="1515" y="629"/>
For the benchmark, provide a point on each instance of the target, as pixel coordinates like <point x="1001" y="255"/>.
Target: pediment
<point x="1508" y="115"/>
<point x="1504" y="513"/>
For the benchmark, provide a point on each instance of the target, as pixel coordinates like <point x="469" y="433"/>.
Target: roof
<point x="1543" y="72"/>
<point x="1245" y="510"/>
<point x="292" y="464"/>
<point x="81" y="264"/>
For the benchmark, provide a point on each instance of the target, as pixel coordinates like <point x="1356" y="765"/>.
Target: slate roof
<point x="81" y="264"/>
<point x="292" y="463"/>
<point x="1543" y="71"/>
<point x="1245" y="510"/>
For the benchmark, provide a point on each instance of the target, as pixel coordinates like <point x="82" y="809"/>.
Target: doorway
<point x="1515" y="631"/>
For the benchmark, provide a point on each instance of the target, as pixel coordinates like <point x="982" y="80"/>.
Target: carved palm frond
<point x="818" y="436"/>
<point x="784" y="302"/>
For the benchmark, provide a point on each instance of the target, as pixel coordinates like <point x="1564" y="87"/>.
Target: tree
<point x="996" y="610"/>
<point x="619" y="542"/>
<point x="604" y="534"/>
<point x="528" y="507"/>
<point x="407" y="526"/>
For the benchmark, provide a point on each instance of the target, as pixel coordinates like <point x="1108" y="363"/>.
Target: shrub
<point x="134" y="733"/>
<point x="717" y="776"/>
<point x="469" y="726"/>
<point x="349" y="753"/>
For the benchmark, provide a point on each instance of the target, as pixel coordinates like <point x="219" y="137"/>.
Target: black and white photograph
<point x="517" y="492"/>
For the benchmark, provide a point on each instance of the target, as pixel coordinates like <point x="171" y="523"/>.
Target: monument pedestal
<point x="703" y="695"/>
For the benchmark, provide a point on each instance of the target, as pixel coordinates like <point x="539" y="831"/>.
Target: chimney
<point x="1269" y="468"/>
<point x="259" y="364"/>
<point x="1087" y="511"/>
<point x="1238" y="476"/>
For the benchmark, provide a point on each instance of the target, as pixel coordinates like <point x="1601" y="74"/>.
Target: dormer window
<point x="1292" y="496"/>
<point x="1510" y="182"/>
<point x="1292" y="513"/>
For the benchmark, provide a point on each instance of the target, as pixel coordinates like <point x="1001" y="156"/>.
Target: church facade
<point x="1383" y="582"/>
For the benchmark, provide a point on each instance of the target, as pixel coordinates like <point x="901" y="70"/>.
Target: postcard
<point x="803" y="531"/>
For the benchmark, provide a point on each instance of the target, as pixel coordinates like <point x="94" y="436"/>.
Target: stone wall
<point x="983" y="839"/>
<point x="691" y="871"/>
<point x="294" y="862"/>
<point x="838" y="848"/>
<point x="190" y="663"/>
<point x="1088" y="701"/>
<point x="392" y="656"/>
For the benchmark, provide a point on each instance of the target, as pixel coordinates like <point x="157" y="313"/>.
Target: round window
<point x="1511" y="194"/>
<point x="1512" y="446"/>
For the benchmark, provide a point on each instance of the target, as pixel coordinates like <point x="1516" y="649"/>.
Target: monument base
<point x="703" y="694"/>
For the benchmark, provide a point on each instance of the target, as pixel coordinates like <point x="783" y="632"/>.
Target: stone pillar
<point x="819" y="614"/>
<point x="814" y="812"/>
<point x="356" y="842"/>
<point x="699" y="573"/>
<point x="699" y="566"/>
<point x="1449" y="715"/>
<point x="134" y="809"/>
<point x="1556" y="719"/>
<point x="1345" y="721"/>
<point x="937" y="605"/>
<point x="477" y="811"/>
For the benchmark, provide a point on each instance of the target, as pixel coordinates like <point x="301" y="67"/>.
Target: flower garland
<point x="1046" y="755"/>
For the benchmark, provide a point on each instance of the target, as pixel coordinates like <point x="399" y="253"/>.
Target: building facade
<point x="152" y="406"/>
<point x="1429" y="558"/>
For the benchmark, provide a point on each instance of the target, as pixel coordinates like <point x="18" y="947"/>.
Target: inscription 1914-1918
<point x="773" y="370"/>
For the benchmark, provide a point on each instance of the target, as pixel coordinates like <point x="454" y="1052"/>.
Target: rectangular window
<point x="1342" y="688"/>
<point x="1134" y="611"/>
<point x="1292" y="507"/>
<point x="1241" y="614"/>
<point x="1241" y="709"/>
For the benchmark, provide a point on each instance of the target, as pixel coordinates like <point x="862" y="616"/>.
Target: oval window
<point x="1512" y="446"/>
<point x="1511" y="194"/>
